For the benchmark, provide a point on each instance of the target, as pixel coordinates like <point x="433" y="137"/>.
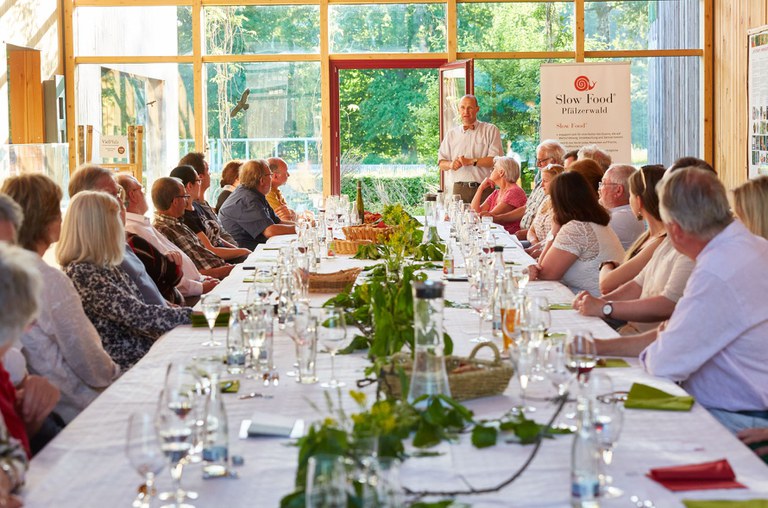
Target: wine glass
<point x="332" y="333"/>
<point x="522" y="360"/>
<point x="211" y="305"/>
<point x="296" y="323"/>
<point x="144" y="454"/>
<point x="609" y="417"/>
<point x="261" y="288"/>
<point x="184" y="394"/>
<point x="175" y="434"/>
<point x="581" y="354"/>
<point x="326" y="485"/>
<point x="479" y="298"/>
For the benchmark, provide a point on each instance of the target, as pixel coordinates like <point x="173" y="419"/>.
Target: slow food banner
<point x="588" y="103"/>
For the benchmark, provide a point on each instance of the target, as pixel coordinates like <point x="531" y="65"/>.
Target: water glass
<point x="306" y="352"/>
<point x="332" y="334"/>
<point x="211" y="306"/>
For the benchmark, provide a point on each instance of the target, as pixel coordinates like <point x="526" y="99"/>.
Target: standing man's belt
<point x="472" y="185"/>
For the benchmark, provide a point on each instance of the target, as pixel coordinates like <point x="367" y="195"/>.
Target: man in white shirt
<point x="193" y="283"/>
<point x="614" y="196"/>
<point x="467" y="151"/>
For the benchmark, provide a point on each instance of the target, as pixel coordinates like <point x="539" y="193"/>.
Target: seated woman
<point x="644" y="203"/>
<point x="507" y="203"/>
<point x="90" y="250"/>
<point x="208" y="231"/>
<point x="750" y="202"/>
<point x="582" y="238"/>
<point x="590" y="170"/>
<point x="61" y="345"/>
<point x="542" y="221"/>
<point x="230" y="179"/>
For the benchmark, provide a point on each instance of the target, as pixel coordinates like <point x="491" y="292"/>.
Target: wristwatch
<point x="474" y="162"/>
<point x="608" y="309"/>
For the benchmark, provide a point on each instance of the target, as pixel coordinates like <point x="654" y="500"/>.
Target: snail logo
<point x="583" y="84"/>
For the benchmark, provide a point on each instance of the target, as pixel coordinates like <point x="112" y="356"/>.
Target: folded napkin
<point x="612" y="363"/>
<point x="229" y="386"/>
<point x="647" y="397"/>
<point x="199" y="321"/>
<point x="560" y="306"/>
<point x="707" y="475"/>
<point x="719" y="503"/>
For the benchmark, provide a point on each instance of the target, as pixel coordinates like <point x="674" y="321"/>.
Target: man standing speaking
<point x="467" y="151"/>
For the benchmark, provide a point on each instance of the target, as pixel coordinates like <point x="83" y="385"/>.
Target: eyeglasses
<point x="539" y="162"/>
<point x="183" y="196"/>
<point x="603" y="184"/>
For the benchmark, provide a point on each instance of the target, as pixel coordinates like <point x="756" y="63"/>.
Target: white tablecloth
<point x="86" y="466"/>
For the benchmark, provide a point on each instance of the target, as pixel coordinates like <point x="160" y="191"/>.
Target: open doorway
<point x="386" y="127"/>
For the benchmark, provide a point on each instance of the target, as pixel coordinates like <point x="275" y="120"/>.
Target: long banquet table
<point x="86" y="466"/>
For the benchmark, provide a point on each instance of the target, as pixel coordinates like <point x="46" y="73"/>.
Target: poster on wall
<point x="757" y="84"/>
<point x="588" y="103"/>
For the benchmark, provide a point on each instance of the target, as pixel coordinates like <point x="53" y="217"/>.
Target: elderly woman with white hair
<point x="506" y="204"/>
<point x="20" y="292"/>
<point x="90" y="251"/>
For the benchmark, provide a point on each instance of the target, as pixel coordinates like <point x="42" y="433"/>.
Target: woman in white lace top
<point x="582" y="238"/>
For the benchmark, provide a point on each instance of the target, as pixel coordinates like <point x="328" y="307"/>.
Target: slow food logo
<point x="583" y="84"/>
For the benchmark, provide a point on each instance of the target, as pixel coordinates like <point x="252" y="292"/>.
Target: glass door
<point x="456" y="80"/>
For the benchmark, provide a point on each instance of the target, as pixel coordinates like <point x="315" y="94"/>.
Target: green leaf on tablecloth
<point x="561" y="306"/>
<point x="450" y="304"/>
<point x="483" y="437"/>
<point x="647" y="397"/>
<point x="448" y="503"/>
<point x="357" y="344"/>
<point x="612" y="363"/>
<point x="229" y="386"/>
<point x="717" y="503"/>
<point x="198" y="320"/>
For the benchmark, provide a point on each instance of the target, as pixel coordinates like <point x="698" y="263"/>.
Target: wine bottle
<point x="360" y="204"/>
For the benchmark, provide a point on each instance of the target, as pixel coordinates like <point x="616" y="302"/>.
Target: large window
<point x="278" y="59"/>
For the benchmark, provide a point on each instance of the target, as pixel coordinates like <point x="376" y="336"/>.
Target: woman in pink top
<point x="506" y="204"/>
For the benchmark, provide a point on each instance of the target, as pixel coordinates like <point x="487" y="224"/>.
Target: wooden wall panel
<point x="25" y="96"/>
<point x="732" y="20"/>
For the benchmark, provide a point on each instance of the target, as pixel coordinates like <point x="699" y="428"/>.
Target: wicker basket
<point x="469" y="378"/>
<point x="349" y="246"/>
<point x="335" y="282"/>
<point x="368" y="232"/>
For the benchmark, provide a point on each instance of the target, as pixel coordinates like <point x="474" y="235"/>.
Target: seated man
<point x="170" y="199"/>
<point x="714" y="344"/>
<point x="246" y="214"/>
<point x="614" y="196"/>
<point x="193" y="283"/>
<point x="275" y="198"/>
<point x="96" y="178"/>
<point x="200" y="165"/>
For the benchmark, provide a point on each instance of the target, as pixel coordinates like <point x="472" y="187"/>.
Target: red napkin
<point x="704" y="476"/>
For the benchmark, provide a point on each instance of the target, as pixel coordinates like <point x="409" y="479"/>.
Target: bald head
<point x="279" y="171"/>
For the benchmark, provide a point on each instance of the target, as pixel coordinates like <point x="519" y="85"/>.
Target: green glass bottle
<point x="360" y="205"/>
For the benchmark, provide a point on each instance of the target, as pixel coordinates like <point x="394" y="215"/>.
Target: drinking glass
<point x="143" y="451"/>
<point x="509" y="319"/>
<point x="479" y="297"/>
<point x="326" y="482"/>
<point x="522" y="360"/>
<point x="296" y="323"/>
<point x="255" y="330"/>
<point x="580" y="354"/>
<point x="211" y="305"/>
<point x="609" y="418"/>
<point x="332" y="333"/>
<point x="520" y="277"/>
<point x="556" y="367"/>
<point x="175" y="435"/>
<point x="262" y="286"/>
<point x="185" y="395"/>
